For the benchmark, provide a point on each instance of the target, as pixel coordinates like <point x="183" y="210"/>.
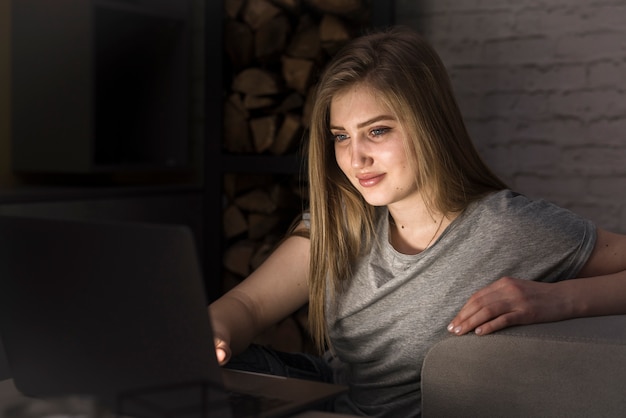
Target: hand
<point x="222" y="351"/>
<point x="508" y="302"/>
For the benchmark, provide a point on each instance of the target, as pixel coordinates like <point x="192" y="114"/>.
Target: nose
<point x="360" y="153"/>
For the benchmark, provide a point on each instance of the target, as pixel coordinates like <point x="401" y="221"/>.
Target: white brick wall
<point x="542" y="85"/>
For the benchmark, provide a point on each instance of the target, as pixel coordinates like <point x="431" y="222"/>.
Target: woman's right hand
<point x="222" y="351"/>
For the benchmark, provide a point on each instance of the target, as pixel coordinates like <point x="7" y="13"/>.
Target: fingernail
<point x="478" y="331"/>
<point x="450" y="327"/>
<point x="457" y="330"/>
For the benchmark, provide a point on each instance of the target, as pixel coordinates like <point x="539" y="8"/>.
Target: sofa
<point x="572" y="368"/>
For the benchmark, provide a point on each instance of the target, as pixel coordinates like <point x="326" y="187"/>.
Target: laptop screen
<point x="118" y="310"/>
<point x="102" y="307"/>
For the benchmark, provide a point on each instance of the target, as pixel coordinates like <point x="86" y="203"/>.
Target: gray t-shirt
<point x="397" y="306"/>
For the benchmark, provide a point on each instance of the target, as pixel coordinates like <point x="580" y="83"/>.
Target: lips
<point x="369" y="180"/>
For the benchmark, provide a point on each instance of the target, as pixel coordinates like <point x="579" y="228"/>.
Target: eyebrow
<point x="368" y="122"/>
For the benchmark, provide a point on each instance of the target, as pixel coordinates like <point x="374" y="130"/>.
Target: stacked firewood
<point x="259" y="211"/>
<point x="273" y="53"/>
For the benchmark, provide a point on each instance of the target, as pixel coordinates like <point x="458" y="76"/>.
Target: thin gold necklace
<point x="393" y="222"/>
<point x="436" y="231"/>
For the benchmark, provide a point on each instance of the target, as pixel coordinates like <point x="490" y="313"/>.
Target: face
<point x="369" y="147"/>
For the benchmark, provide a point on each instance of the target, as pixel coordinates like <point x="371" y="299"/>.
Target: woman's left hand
<point x="509" y="301"/>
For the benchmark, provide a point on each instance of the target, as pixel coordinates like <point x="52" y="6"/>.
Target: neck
<point x="414" y="234"/>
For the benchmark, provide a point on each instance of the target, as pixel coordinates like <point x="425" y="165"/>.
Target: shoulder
<point x="508" y="204"/>
<point x="534" y="238"/>
<point x="517" y="213"/>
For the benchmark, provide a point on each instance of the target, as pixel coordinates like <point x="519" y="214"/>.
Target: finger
<point x="496" y="324"/>
<point x="480" y="298"/>
<point x="222" y="356"/>
<point x="493" y="318"/>
<point x="481" y="307"/>
<point x="476" y="323"/>
<point x="222" y="351"/>
<point x="462" y="327"/>
<point x="488" y="309"/>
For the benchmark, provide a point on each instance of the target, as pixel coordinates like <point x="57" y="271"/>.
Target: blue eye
<point x="379" y="131"/>
<point x="339" y="137"/>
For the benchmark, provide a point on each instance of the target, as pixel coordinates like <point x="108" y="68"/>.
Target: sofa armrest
<point x="571" y="368"/>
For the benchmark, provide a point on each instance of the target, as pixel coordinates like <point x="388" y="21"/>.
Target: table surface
<point x="9" y="395"/>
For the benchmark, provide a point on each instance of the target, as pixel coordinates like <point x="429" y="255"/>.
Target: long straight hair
<point x="408" y="78"/>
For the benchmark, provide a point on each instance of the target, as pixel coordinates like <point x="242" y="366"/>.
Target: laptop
<point x="117" y="310"/>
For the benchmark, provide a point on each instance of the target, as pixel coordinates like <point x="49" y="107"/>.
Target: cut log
<point x="292" y="102"/>
<point x="256" y="201"/>
<point x="236" y="135"/>
<point x="288" y="134"/>
<point x="260" y="225"/>
<point x="258" y="12"/>
<point x="256" y="81"/>
<point x="234" y="221"/>
<point x="292" y="6"/>
<point x="235" y="100"/>
<point x="263" y="132"/>
<point x="306" y="40"/>
<point x="286" y="198"/>
<point x="241" y="183"/>
<point x="338" y="7"/>
<point x="237" y="257"/>
<point x="297" y="73"/>
<point x="334" y="33"/>
<point x="238" y="44"/>
<point x="271" y="38"/>
<point x="233" y="7"/>
<point x="258" y="102"/>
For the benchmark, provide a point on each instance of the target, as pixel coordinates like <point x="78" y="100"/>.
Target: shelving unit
<point x="217" y="163"/>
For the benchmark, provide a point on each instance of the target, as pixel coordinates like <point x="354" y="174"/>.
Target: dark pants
<point x="261" y="359"/>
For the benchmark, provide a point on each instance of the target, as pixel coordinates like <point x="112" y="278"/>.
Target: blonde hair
<point x="409" y="78"/>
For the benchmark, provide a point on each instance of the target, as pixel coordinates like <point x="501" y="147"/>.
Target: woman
<point x="409" y="236"/>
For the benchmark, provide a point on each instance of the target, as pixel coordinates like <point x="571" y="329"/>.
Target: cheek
<point x="342" y="158"/>
<point x="398" y="155"/>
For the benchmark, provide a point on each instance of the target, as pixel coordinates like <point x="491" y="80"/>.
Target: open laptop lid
<point x="102" y="307"/>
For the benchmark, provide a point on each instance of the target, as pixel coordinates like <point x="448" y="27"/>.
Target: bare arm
<point x="272" y="292"/>
<point x="600" y="289"/>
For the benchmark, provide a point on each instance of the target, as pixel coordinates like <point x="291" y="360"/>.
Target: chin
<point x="376" y="201"/>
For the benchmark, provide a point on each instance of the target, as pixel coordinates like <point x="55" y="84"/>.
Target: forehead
<point x="358" y="101"/>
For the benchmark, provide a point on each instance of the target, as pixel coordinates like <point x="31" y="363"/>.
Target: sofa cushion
<point x="571" y="368"/>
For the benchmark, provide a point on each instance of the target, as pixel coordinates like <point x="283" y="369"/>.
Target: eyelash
<point x="376" y="132"/>
<point x="382" y="131"/>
